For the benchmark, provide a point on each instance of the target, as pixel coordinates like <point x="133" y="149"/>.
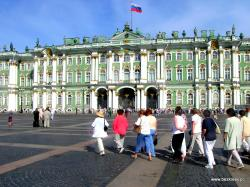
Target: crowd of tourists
<point x="204" y="131"/>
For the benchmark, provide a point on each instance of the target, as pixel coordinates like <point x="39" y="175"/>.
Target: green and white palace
<point x="128" y="70"/>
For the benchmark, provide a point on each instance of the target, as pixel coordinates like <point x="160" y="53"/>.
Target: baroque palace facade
<point x="128" y="70"/>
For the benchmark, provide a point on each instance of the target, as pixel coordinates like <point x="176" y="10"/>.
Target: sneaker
<point x="121" y="150"/>
<point x="229" y="164"/>
<point x="134" y="156"/>
<point x="240" y="166"/>
<point x="102" y="153"/>
<point x="209" y="167"/>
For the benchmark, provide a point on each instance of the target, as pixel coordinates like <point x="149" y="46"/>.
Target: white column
<point x="196" y="55"/>
<point x="235" y="64"/>
<point x="158" y="66"/>
<point x="209" y="65"/>
<point x="121" y="77"/>
<point x="144" y="66"/>
<point x="209" y="98"/>
<point x="92" y="69"/>
<point x="45" y="70"/>
<point x="93" y="100"/>
<point x="222" y="97"/>
<point x="162" y="66"/>
<point x="109" y="98"/>
<point x="143" y="99"/>
<point x="138" y="99"/>
<point x="132" y="71"/>
<point x="197" y="98"/>
<point x="115" y="100"/>
<point x="110" y="67"/>
<point x="63" y="100"/>
<point x="35" y="100"/>
<point x="54" y="62"/>
<point x="162" y="105"/>
<point x="35" y="71"/>
<point x="164" y="99"/>
<point x="12" y="86"/>
<point x="64" y="70"/>
<point x="221" y="65"/>
<point x="54" y="96"/>
<point x="44" y="99"/>
<point x="97" y="69"/>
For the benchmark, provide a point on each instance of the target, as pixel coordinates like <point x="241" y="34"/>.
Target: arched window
<point x="202" y="56"/>
<point x="190" y="56"/>
<point x="78" y="98"/>
<point x="168" y="57"/>
<point x="190" y="99"/>
<point x="59" y="99"/>
<point x="215" y="55"/>
<point x="87" y="77"/>
<point x="116" y="58"/>
<point x="126" y="74"/>
<point x="179" y="99"/>
<point x="215" y="73"/>
<point x="151" y="57"/>
<point x="203" y="99"/>
<point x="179" y="56"/>
<point x="137" y="57"/>
<point x="103" y="58"/>
<point x="126" y="57"/>
<point x="168" y="74"/>
<point x="247" y="75"/>
<point x="215" y="98"/>
<point x="228" y="99"/>
<point x="103" y="76"/>
<point x="227" y="55"/>
<point x="190" y="74"/>
<point x="49" y="101"/>
<point x="69" y="99"/>
<point x="179" y="73"/>
<point x="137" y="74"/>
<point x="40" y="99"/>
<point x="169" y="99"/>
<point x="151" y="77"/>
<point x="116" y="75"/>
<point x="227" y="73"/>
<point x="248" y="98"/>
<point x="202" y="72"/>
<point x="247" y="58"/>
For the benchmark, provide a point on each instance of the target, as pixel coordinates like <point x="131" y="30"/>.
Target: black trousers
<point x="176" y="143"/>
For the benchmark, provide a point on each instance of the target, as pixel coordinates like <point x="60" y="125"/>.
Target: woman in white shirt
<point x="99" y="132"/>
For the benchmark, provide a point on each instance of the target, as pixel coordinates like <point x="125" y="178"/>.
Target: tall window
<point x="248" y="99"/>
<point x="228" y="99"/>
<point x="88" y="99"/>
<point x="247" y="58"/>
<point x="126" y="74"/>
<point x="1" y="65"/>
<point x="49" y="78"/>
<point x="227" y="55"/>
<point x="190" y="99"/>
<point x="247" y="75"/>
<point x="79" y="77"/>
<point x="41" y="78"/>
<point x="60" y="61"/>
<point x="227" y="73"/>
<point x="49" y="101"/>
<point x="126" y="57"/>
<point x="28" y="83"/>
<point x="190" y="74"/>
<point x="22" y="66"/>
<point x="215" y="98"/>
<point x="116" y="58"/>
<point x="59" y="99"/>
<point x="88" y="59"/>
<point x="70" y="77"/>
<point x="215" y="55"/>
<point x="202" y="56"/>
<point x="151" y="57"/>
<point x="69" y="99"/>
<point x="179" y="56"/>
<point x="1" y="101"/>
<point x="179" y="98"/>
<point x="179" y="74"/>
<point x="78" y="98"/>
<point x="79" y="60"/>
<point x="50" y="62"/>
<point x="169" y="99"/>
<point x="102" y="76"/>
<point x="215" y="73"/>
<point x="69" y="61"/>
<point x="137" y="57"/>
<point x="22" y="81"/>
<point x="59" y="78"/>
<point x="40" y="99"/>
<point x="202" y="73"/>
<point x="190" y="56"/>
<point x="137" y="74"/>
<point x="168" y="74"/>
<point x="203" y="99"/>
<point x="6" y="80"/>
<point x="87" y="77"/>
<point x="116" y="75"/>
<point x="168" y="57"/>
<point x="1" y="80"/>
<point x="103" y="58"/>
<point x="151" y="77"/>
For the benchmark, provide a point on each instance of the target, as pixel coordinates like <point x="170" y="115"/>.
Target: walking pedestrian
<point x="196" y="132"/>
<point x="41" y="118"/>
<point x="245" y="121"/>
<point x="47" y="117"/>
<point x="120" y="127"/>
<point x="232" y="137"/>
<point x="209" y="133"/>
<point x="179" y="127"/>
<point x="10" y="119"/>
<point x="99" y="133"/>
<point x="153" y="127"/>
<point x="36" y="118"/>
<point x="53" y="111"/>
<point x="144" y="137"/>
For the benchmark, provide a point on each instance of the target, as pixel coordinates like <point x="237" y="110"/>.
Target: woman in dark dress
<point x="36" y="118"/>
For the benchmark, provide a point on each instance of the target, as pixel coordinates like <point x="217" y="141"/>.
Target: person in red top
<point x="120" y="127"/>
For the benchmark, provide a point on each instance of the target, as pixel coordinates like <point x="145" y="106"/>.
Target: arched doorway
<point x="102" y="98"/>
<point x="152" y="101"/>
<point x="126" y="98"/>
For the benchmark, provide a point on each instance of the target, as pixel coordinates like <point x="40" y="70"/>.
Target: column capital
<point x="196" y="50"/>
<point x="94" y="55"/>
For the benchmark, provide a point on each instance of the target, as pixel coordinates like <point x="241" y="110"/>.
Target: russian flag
<point x="136" y="8"/>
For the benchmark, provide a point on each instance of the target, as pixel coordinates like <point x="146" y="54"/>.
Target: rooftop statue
<point x="183" y="33"/>
<point x="233" y="30"/>
<point x="11" y="47"/>
<point x="37" y="43"/>
<point x="195" y="32"/>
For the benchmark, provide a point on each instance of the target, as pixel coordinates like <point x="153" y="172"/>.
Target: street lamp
<point x="21" y="91"/>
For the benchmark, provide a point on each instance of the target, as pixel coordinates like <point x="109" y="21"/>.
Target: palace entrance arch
<point x="152" y="98"/>
<point x="126" y="98"/>
<point x="102" y="98"/>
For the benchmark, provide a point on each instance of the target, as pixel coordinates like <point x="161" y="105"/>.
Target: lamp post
<point x="21" y="93"/>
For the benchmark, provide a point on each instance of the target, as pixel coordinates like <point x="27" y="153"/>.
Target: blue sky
<point x="22" y="21"/>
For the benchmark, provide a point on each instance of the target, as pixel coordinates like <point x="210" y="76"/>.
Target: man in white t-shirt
<point x="196" y="132"/>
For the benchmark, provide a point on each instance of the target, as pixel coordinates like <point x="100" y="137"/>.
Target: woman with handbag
<point x="153" y="126"/>
<point x="100" y="126"/>
<point x="209" y="133"/>
<point x="144" y="137"/>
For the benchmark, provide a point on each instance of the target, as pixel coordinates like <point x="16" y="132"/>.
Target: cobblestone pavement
<point x="65" y="155"/>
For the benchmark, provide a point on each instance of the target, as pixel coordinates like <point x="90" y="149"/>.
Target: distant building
<point x="128" y="70"/>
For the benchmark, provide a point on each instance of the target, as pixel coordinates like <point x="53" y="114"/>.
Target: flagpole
<point x="131" y="20"/>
